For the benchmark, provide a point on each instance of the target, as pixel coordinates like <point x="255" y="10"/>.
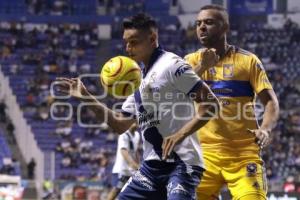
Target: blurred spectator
<point x="111" y="137"/>
<point x="289" y="185"/>
<point x="2" y="112"/>
<point x="48" y="189"/>
<point x="103" y="171"/>
<point x="14" y="69"/>
<point x="31" y="169"/>
<point x="66" y="162"/>
<point x="30" y="100"/>
<point x="10" y="133"/>
<point x="43" y="112"/>
<point x="64" y="129"/>
<point x="7" y="167"/>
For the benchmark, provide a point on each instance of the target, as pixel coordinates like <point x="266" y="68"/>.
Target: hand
<point x="262" y="137"/>
<point x="169" y="144"/>
<point x="73" y="87"/>
<point x="209" y="59"/>
<point x="134" y="166"/>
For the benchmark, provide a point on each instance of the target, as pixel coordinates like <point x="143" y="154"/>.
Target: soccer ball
<point x="120" y="76"/>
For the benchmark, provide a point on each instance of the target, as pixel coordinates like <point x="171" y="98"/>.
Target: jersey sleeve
<point x="128" y="107"/>
<point x="123" y="141"/>
<point x="258" y="76"/>
<point x="182" y="77"/>
<point x="191" y="59"/>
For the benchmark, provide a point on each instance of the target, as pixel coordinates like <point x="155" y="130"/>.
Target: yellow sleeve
<point x="258" y="76"/>
<point x="191" y="59"/>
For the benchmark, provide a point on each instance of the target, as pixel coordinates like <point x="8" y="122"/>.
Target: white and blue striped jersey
<point x="130" y="143"/>
<point x="163" y="105"/>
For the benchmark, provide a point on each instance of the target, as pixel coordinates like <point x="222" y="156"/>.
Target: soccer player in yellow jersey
<point x="232" y="142"/>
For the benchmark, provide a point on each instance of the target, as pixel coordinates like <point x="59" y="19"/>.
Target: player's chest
<point x="155" y="82"/>
<point x="227" y="71"/>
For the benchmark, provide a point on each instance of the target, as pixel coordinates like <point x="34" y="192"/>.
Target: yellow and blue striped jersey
<point x="235" y="80"/>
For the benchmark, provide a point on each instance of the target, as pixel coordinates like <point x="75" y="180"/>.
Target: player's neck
<point x="220" y="45"/>
<point x="222" y="50"/>
<point x="147" y="62"/>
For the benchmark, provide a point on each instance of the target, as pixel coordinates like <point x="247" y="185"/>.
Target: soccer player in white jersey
<point x="163" y="105"/>
<point x="127" y="160"/>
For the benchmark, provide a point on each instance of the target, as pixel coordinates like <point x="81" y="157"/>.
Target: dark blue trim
<point x="138" y="101"/>
<point x="231" y="88"/>
<point x="153" y="136"/>
<point x="196" y="87"/>
<point x="243" y="51"/>
<point x="155" y="55"/>
<point x="128" y="114"/>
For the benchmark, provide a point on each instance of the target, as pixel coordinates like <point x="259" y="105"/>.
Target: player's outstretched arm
<point x="130" y="161"/>
<point x="75" y="88"/>
<point x="271" y="114"/>
<point x="208" y="107"/>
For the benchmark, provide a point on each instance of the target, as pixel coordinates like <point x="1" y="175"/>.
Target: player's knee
<point x="253" y="197"/>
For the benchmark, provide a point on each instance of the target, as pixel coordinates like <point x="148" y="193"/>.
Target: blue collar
<point x="154" y="57"/>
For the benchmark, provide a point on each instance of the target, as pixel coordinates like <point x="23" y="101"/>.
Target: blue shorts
<point x="157" y="180"/>
<point x="118" y="181"/>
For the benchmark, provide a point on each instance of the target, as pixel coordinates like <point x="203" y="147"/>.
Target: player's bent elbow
<point x="120" y="128"/>
<point x="122" y="125"/>
<point x="213" y="108"/>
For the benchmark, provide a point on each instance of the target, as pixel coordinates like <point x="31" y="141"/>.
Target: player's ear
<point x="226" y="27"/>
<point x="153" y="37"/>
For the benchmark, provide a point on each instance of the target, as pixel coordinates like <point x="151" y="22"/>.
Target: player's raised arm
<point x="75" y="88"/>
<point x="208" y="107"/>
<point x="209" y="59"/>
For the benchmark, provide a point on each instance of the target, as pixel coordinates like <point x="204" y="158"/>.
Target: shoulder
<point x="176" y="64"/>
<point x="249" y="57"/>
<point x="245" y="53"/>
<point x="170" y="61"/>
<point x="194" y="56"/>
<point x="170" y="58"/>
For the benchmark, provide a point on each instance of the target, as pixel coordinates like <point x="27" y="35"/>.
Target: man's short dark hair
<point x="214" y="7"/>
<point x="219" y="8"/>
<point x="140" y="21"/>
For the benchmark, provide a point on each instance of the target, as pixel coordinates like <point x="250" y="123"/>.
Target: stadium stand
<point x="8" y="165"/>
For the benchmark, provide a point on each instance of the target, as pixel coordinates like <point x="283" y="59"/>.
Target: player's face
<point x="138" y="44"/>
<point x="210" y="28"/>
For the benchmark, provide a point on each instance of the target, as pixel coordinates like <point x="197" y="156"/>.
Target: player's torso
<point x="162" y="110"/>
<point x="230" y="81"/>
<point x="135" y="139"/>
<point x="159" y="99"/>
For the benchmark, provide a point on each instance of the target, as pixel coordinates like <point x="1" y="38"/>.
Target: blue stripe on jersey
<point x="154" y="57"/>
<point x="195" y="87"/>
<point x="231" y="88"/>
<point x="153" y="136"/>
<point x="138" y="101"/>
<point x="127" y="114"/>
